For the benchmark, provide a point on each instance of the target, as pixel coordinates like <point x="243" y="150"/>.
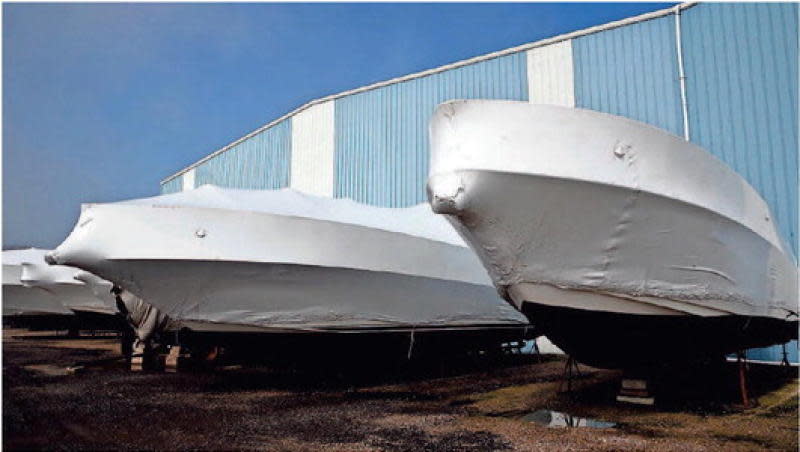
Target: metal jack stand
<point x="411" y="344"/>
<point x="570" y="370"/>
<point x="741" y="360"/>
<point x="126" y="340"/>
<point x="785" y="360"/>
<point x="539" y="352"/>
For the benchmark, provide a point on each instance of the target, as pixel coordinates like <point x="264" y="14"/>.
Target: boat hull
<point x="21" y="300"/>
<point x="32" y="288"/>
<point x="359" y="346"/>
<point x="585" y="217"/>
<point x="249" y="297"/>
<point x="586" y="237"/>
<point x="79" y="298"/>
<point x="634" y="341"/>
<point x="27" y="307"/>
<point x="229" y="270"/>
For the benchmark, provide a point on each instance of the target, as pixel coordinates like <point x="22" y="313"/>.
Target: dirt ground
<point x="453" y="404"/>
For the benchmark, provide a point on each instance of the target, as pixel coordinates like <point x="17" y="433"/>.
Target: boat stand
<point x="539" y="352"/>
<point x="185" y="354"/>
<point x="175" y="359"/>
<point x="741" y="360"/>
<point x="126" y="340"/>
<point x="571" y="370"/>
<point x="785" y="360"/>
<point x="142" y="357"/>
<point x="635" y="388"/>
<point x="636" y="391"/>
<point x="410" y="344"/>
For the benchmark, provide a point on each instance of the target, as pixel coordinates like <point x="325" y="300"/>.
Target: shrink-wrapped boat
<point x="624" y="244"/>
<point x="40" y="295"/>
<point x="226" y="261"/>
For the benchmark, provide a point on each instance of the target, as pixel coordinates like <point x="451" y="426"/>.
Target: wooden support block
<point x="137" y="363"/>
<point x="636" y="400"/>
<point x="138" y="357"/>
<point x="634" y="384"/>
<point x="173" y="360"/>
<point x="636" y="391"/>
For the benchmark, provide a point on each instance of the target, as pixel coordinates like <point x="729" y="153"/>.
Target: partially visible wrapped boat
<point x="29" y="306"/>
<point x="77" y="290"/>
<point x="624" y="244"/>
<point x="40" y="295"/>
<point x="248" y="262"/>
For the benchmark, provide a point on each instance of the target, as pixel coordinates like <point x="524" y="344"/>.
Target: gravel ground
<point x="466" y="404"/>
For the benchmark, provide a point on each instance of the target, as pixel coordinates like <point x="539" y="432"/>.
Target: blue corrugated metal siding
<point x="172" y="186"/>
<point x="260" y="162"/>
<point x="382" y="151"/>
<point x="774" y="354"/>
<point x="741" y="84"/>
<point x="631" y="71"/>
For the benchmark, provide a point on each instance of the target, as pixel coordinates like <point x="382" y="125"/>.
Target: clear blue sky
<point x="102" y="101"/>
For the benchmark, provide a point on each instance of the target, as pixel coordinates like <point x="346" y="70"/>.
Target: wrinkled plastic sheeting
<point x="599" y="204"/>
<point x="145" y="319"/>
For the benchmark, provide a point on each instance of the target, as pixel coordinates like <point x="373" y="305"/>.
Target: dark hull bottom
<point x="628" y="341"/>
<point x="284" y="346"/>
<point x="73" y="322"/>
<point x="89" y="320"/>
<point x="40" y="322"/>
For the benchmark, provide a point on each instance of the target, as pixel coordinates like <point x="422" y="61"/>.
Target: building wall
<point x="550" y="74"/>
<point x="261" y="161"/>
<point x="631" y="71"/>
<point x="172" y="186"/>
<point x="741" y="81"/>
<point x="313" y="149"/>
<point x="188" y="180"/>
<point x="382" y="148"/>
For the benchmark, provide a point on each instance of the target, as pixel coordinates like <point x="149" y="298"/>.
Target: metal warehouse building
<point x="724" y="76"/>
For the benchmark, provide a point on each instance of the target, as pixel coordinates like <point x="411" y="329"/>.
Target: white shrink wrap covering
<point x="145" y="320"/>
<point x="75" y="289"/>
<point x="19" y="299"/>
<point x="594" y="216"/>
<point x="281" y="259"/>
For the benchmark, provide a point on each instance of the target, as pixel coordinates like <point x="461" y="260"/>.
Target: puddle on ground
<point x="550" y="418"/>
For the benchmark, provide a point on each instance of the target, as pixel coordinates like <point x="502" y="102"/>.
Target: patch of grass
<point x="514" y="399"/>
<point x="782" y="401"/>
<point x="741" y="438"/>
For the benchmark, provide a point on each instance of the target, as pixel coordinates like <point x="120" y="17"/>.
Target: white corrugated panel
<point x="550" y="74"/>
<point x="188" y="180"/>
<point x="312" y="150"/>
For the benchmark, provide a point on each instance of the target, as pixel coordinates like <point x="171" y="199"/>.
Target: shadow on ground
<point x="368" y="403"/>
